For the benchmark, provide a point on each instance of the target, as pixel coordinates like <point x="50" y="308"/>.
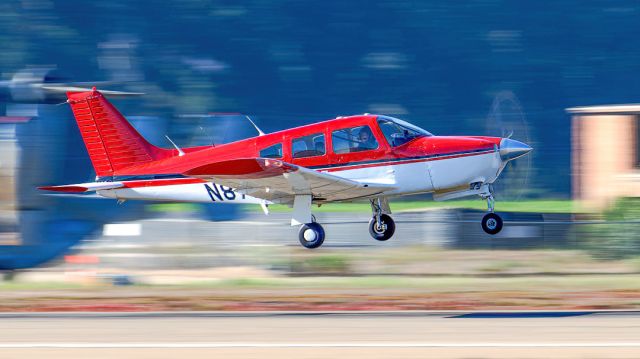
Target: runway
<point x="610" y="334"/>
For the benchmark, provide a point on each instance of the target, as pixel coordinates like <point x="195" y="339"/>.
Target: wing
<point x="279" y="182"/>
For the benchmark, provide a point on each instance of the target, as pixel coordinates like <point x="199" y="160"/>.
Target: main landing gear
<point x="491" y="222"/>
<point x="311" y="234"/>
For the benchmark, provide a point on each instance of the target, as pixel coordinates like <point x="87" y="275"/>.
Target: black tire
<point x="492" y="223"/>
<point x="386" y="231"/>
<point x="314" y="237"/>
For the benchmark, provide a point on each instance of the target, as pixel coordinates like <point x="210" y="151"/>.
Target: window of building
<point x="308" y="146"/>
<point x="274" y="151"/>
<point x="353" y="139"/>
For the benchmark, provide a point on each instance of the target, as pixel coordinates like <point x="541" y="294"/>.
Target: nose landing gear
<point x="381" y="226"/>
<point x="491" y="222"/>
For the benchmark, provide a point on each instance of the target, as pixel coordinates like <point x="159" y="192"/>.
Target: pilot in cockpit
<point x="366" y="141"/>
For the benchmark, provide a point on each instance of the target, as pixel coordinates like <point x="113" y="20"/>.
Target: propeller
<point x="507" y="120"/>
<point x="64" y="88"/>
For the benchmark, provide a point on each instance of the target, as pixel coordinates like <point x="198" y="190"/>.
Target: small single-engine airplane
<point x="364" y="157"/>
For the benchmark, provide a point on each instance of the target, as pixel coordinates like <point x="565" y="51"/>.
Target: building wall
<point x="7" y="173"/>
<point x="603" y="155"/>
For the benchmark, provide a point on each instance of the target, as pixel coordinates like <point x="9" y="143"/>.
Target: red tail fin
<point x="112" y="143"/>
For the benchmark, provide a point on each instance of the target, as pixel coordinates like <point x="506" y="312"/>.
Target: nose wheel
<point x="491" y="222"/>
<point x="381" y="226"/>
<point x="382" y="229"/>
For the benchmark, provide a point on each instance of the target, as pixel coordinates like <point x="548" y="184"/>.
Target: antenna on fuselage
<point x="180" y="151"/>
<point x="260" y="133"/>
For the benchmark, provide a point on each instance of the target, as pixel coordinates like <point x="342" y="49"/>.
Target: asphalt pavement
<point x="610" y="334"/>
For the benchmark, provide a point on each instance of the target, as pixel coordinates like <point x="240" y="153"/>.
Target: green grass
<point x="540" y="206"/>
<point x="172" y="207"/>
<point x="44" y="285"/>
<point x="436" y="284"/>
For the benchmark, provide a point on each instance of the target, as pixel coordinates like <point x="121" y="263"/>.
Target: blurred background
<point x="483" y="67"/>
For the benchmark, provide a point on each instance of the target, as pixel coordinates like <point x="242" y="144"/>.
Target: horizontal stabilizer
<point x="83" y="187"/>
<point x="108" y="93"/>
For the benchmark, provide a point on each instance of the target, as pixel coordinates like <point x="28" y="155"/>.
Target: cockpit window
<point x="398" y="132"/>
<point x="353" y="139"/>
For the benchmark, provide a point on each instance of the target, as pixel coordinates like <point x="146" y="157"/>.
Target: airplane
<point x="365" y="157"/>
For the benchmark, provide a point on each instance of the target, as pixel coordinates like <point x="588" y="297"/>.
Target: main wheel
<point x="311" y="235"/>
<point x="491" y="223"/>
<point x="383" y="230"/>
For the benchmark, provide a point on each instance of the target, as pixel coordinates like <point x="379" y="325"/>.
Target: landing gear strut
<point x="311" y="233"/>
<point x="381" y="226"/>
<point x="491" y="222"/>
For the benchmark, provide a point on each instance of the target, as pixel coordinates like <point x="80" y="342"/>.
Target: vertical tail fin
<point x="112" y="143"/>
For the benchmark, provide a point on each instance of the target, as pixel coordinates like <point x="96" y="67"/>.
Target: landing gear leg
<point x="311" y="233"/>
<point x="491" y="222"/>
<point x="381" y="226"/>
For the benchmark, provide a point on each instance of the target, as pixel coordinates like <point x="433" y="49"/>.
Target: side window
<point x="274" y="151"/>
<point x="341" y="141"/>
<point x="308" y="146"/>
<point x="353" y="139"/>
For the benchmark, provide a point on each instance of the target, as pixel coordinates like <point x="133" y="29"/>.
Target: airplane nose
<point x="512" y="149"/>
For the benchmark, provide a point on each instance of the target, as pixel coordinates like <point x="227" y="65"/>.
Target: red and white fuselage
<point x="439" y="164"/>
<point x="363" y="157"/>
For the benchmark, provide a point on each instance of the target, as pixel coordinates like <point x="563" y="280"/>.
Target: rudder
<point x="112" y="143"/>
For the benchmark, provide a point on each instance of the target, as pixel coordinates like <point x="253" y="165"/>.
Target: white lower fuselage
<point x="440" y="175"/>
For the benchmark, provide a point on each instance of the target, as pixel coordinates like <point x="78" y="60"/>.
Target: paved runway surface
<point x="321" y="335"/>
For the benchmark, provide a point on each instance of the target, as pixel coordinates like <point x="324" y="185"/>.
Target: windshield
<point x="398" y="132"/>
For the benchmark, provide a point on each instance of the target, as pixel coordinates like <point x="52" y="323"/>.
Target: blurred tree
<point x="290" y="62"/>
<point x="613" y="240"/>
